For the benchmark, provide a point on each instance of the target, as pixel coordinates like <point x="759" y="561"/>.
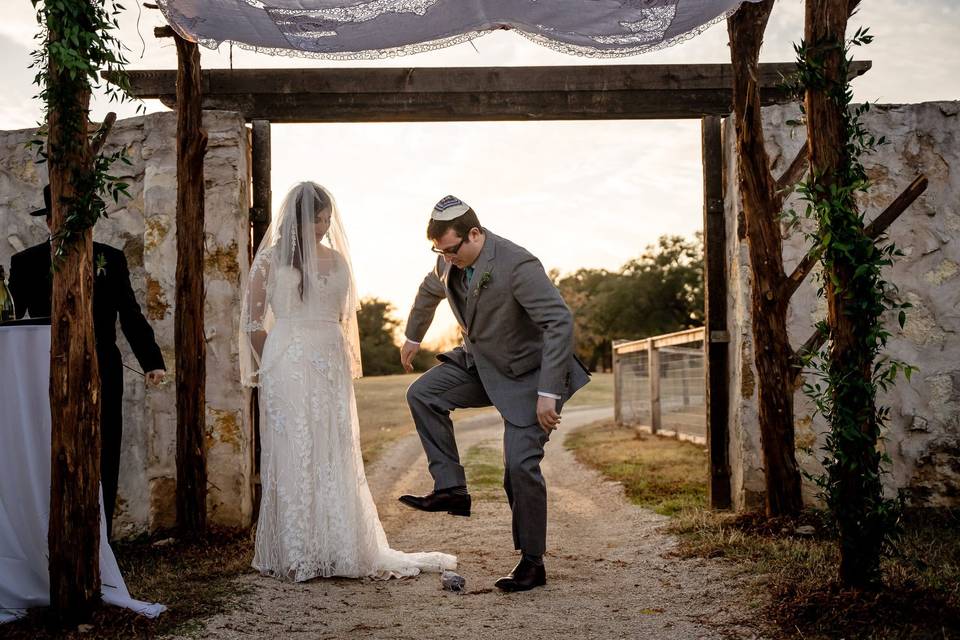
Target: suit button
<point x="472" y="340"/>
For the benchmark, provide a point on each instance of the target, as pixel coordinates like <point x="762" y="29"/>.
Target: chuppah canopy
<point x="351" y="29"/>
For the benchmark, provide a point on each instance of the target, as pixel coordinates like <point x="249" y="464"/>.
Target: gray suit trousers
<point x="447" y="387"/>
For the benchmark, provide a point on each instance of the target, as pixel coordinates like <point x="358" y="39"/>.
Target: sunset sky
<point x="577" y="194"/>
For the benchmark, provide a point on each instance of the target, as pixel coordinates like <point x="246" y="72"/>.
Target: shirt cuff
<point x="411" y="341"/>
<point x="548" y="395"/>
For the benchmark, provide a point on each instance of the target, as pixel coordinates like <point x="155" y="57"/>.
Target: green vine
<point x="77" y="41"/>
<point x="844" y="389"/>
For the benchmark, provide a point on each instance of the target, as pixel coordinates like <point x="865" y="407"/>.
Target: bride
<point x="299" y="343"/>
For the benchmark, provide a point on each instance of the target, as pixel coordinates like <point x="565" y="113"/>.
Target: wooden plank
<point x="262" y="195"/>
<point x="715" y="280"/>
<point x="672" y="77"/>
<point x="468" y="94"/>
<point x="678" y="337"/>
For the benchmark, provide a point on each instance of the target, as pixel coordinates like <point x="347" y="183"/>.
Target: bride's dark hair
<point x="321" y="205"/>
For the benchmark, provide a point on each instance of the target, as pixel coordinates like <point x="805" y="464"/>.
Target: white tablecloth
<point x="25" y="481"/>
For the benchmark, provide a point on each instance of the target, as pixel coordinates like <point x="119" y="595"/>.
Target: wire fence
<point x="671" y="402"/>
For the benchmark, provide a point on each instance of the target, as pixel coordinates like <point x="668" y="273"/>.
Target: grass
<point x="795" y="588"/>
<point x="920" y="596"/>
<point x="483" y="464"/>
<point x="598" y="392"/>
<point x="385" y="417"/>
<point x="195" y="581"/>
<point x="658" y="473"/>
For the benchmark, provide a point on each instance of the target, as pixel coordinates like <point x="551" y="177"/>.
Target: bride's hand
<point x="407" y="353"/>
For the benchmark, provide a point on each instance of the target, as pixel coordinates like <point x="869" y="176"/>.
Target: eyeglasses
<point x="452" y="251"/>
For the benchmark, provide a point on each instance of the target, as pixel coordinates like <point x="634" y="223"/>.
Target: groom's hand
<point x="547" y="414"/>
<point x="407" y="353"/>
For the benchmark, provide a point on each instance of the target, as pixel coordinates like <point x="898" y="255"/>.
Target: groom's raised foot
<point x="525" y="576"/>
<point x="456" y="503"/>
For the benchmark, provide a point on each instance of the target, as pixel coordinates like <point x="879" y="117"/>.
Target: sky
<point x="576" y="194"/>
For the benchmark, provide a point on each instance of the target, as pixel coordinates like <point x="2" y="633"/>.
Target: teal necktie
<point x="469" y="272"/>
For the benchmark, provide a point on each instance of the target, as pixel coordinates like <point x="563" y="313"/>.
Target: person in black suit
<point x="31" y="286"/>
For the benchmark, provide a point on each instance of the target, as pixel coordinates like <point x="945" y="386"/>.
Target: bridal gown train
<point x="317" y="516"/>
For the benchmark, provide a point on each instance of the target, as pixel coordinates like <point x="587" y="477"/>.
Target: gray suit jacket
<point x="517" y="329"/>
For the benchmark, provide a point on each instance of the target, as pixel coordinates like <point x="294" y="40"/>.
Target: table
<point x="25" y="481"/>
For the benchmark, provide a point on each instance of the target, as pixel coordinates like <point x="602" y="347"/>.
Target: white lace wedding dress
<point x="317" y="517"/>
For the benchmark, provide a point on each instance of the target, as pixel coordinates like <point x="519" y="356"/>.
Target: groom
<point x="517" y="355"/>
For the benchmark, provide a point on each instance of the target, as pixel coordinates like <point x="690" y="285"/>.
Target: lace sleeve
<point x="349" y="324"/>
<point x="256" y="319"/>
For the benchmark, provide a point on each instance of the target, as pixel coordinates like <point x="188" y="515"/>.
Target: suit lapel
<point x="484" y="264"/>
<point x="449" y="272"/>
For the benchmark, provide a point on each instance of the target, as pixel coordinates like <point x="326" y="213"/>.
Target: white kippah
<point x="449" y="208"/>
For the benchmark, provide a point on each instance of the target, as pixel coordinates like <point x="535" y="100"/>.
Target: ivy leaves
<point x="75" y="42"/>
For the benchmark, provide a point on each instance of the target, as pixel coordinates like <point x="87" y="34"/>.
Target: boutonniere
<point x="485" y="279"/>
<point x="101" y="265"/>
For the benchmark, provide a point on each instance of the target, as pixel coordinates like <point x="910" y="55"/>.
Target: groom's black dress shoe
<point x="525" y="576"/>
<point x="457" y="504"/>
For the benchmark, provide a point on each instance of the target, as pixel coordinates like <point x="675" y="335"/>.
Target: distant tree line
<point x="659" y="292"/>
<point x="379" y="352"/>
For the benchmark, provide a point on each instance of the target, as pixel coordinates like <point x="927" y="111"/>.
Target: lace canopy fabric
<point x="345" y="29"/>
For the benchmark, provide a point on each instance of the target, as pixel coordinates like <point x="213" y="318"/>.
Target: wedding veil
<point x="297" y="243"/>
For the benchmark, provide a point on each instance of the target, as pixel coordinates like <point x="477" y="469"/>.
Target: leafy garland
<point x="77" y="40"/>
<point x="868" y="522"/>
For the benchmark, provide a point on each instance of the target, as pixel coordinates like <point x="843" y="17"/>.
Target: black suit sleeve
<point x="19" y="285"/>
<point x="135" y="327"/>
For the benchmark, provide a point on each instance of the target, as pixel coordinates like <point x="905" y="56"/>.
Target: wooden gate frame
<point x="587" y="92"/>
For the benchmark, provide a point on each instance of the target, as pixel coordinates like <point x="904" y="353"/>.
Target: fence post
<point x="617" y="384"/>
<point x="653" y="362"/>
<point x="716" y="338"/>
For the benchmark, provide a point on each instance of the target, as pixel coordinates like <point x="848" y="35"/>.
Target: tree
<point x="762" y="199"/>
<point x="379" y="352"/>
<point x="659" y="292"/>
<point x="77" y="43"/>
<point x="855" y="291"/>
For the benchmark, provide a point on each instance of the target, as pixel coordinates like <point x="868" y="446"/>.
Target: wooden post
<point x="715" y="337"/>
<point x="617" y="368"/>
<point x="73" y="535"/>
<point x="262" y="195"/>
<point x="653" y="362"/>
<point x="189" y="331"/>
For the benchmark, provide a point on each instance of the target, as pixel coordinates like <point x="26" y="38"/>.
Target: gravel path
<point x="610" y="573"/>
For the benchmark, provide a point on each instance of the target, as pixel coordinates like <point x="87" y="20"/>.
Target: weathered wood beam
<point x="474" y="93"/>
<point x="873" y="230"/>
<point x="189" y="333"/>
<point x="262" y="196"/>
<point x="715" y="316"/>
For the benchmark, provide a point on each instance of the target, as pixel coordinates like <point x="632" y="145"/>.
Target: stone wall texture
<point x="923" y="439"/>
<point x="144" y="227"/>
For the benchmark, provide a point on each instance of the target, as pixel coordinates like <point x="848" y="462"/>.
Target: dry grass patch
<point x="384" y="414"/>
<point x="920" y="597"/>
<point x="796" y="571"/>
<point x="195" y="581"/>
<point x="660" y="473"/>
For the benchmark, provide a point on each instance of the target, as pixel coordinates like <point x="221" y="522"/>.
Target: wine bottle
<point x="6" y="300"/>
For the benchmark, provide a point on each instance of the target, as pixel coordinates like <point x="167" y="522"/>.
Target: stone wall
<point x="144" y="227"/>
<point x="923" y="438"/>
